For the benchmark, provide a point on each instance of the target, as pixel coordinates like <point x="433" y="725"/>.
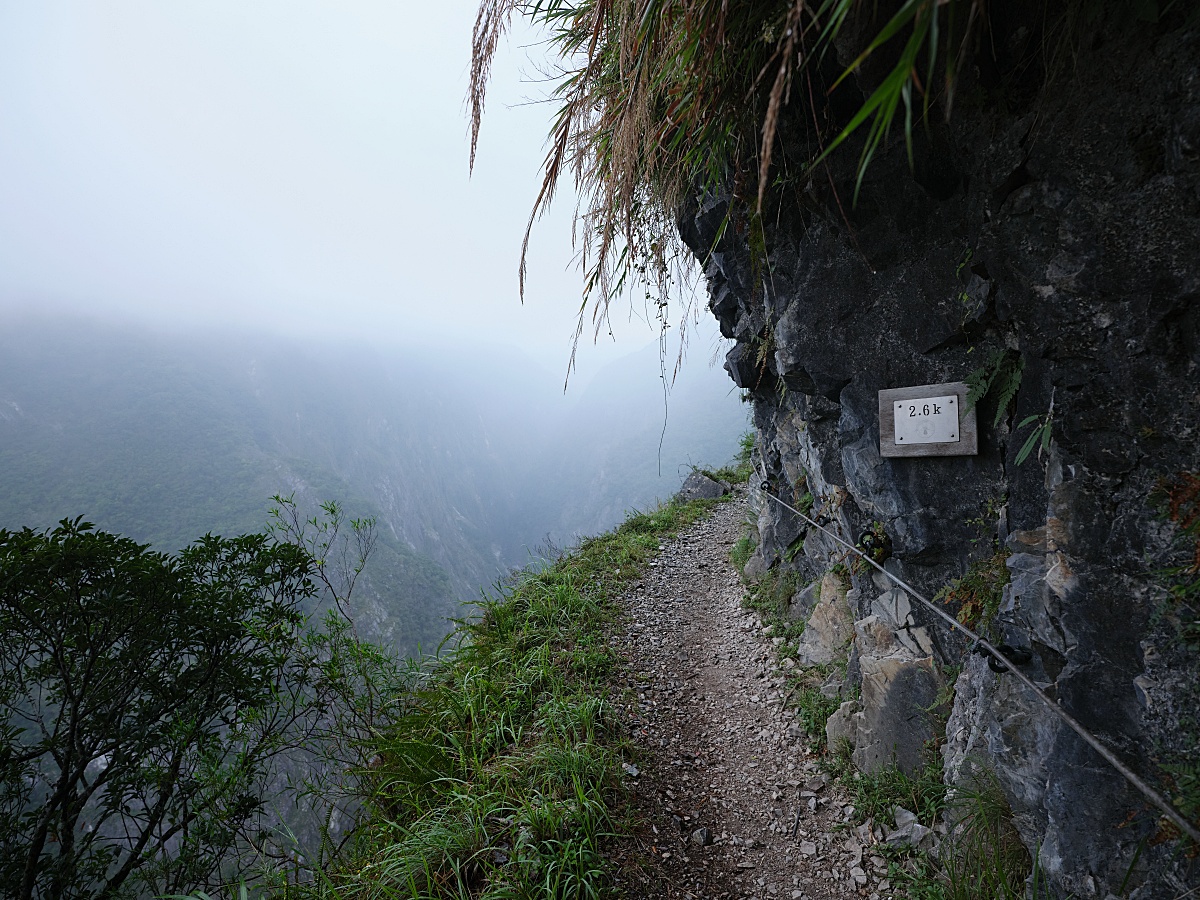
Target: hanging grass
<point x="657" y="99"/>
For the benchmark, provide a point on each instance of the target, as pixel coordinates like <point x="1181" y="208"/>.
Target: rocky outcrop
<point x="1060" y="224"/>
<point x="698" y="486"/>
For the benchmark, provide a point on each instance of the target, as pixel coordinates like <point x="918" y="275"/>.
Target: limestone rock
<point x="842" y="726"/>
<point x="830" y="627"/>
<point x="756" y="567"/>
<point x="894" y="608"/>
<point x="914" y="834"/>
<point x="1059" y="236"/>
<point x="699" y="486"/>
<point x="804" y="601"/>
<point x="894" y="725"/>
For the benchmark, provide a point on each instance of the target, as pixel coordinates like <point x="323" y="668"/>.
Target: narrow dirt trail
<point x="733" y="801"/>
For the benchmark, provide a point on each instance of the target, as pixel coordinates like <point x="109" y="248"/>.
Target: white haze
<point x="283" y="165"/>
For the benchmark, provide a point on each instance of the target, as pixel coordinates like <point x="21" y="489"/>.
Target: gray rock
<point x="895" y="725"/>
<point x="830" y="627"/>
<point x="842" y="726"/>
<point x="914" y="834"/>
<point x="894" y="608"/>
<point x="699" y="486"/>
<point x="756" y="567"/>
<point x="832" y="686"/>
<point x="804" y="601"/>
<point x="1077" y="224"/>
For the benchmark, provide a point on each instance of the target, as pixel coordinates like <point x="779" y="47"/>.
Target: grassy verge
<point x="742" y="467"/>
<point x="502" y="780"/>
<point x="770" y="597"/>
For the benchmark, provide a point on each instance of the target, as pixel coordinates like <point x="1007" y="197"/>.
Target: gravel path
<point x="732" y="800"/>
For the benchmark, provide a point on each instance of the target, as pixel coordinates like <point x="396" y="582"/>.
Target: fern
<point x="980" y="381"/>
<point x="1007" y="386"/>
<point x="1001" y="374"/>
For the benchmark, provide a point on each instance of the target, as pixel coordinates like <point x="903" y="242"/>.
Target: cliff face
<point x="1058" y="217"/>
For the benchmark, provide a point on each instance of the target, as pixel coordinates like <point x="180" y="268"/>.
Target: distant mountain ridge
<point x="467" y="460"/>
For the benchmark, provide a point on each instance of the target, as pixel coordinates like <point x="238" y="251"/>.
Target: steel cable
<point x="1128" y="774"/>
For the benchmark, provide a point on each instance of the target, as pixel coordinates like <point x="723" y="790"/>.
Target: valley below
<point x="472" y="462"/>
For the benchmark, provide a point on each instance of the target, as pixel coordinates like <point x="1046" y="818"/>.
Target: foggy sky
<point x="289" y="164"/>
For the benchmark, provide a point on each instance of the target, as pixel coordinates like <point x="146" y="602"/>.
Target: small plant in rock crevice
<point x="985" y="522"/>
<point x="795" y="548"/>
<point x="978" y="593"/>
<point x="874" y="543"/>
<point x="999" y="378"/>
<point x="805" y="502"/>
<point x="1178" y="501"/>
<point x="1039" y="437"/>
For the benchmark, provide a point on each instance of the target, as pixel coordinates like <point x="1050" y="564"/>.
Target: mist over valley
<point x="472" y="459"/>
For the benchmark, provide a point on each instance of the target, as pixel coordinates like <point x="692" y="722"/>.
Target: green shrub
<point x="978" y="593"/>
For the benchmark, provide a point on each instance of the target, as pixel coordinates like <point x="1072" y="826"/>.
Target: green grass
<point x="877" y="794"/>
<point x="742" y="550"/>
<point x="742" y="467"/>
<point x="771" y="599"/>
<point x="981" y="856"/>
<point x="502" y="778"/>
<point x="813" y="708"/>
<point x="771" y="596"/>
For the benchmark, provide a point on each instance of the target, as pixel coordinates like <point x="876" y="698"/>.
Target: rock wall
<point x="1058" y="217"/>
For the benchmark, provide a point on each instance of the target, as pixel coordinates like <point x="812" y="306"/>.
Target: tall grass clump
<point x="659" y="99"/>
<point x="501" y="779"/>
<point x="741" y="468"/>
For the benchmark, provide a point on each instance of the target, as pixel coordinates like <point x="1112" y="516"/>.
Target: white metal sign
<point x="927" y="420"/>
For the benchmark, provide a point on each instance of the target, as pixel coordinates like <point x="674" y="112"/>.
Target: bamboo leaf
<point x="1027" y="447"/>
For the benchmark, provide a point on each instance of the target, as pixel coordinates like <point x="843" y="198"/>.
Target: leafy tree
<point x="143" y="700"/>
<point x="355" y="689"/>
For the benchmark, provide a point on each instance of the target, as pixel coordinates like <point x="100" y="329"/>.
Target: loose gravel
<point x="728" y="792"/>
